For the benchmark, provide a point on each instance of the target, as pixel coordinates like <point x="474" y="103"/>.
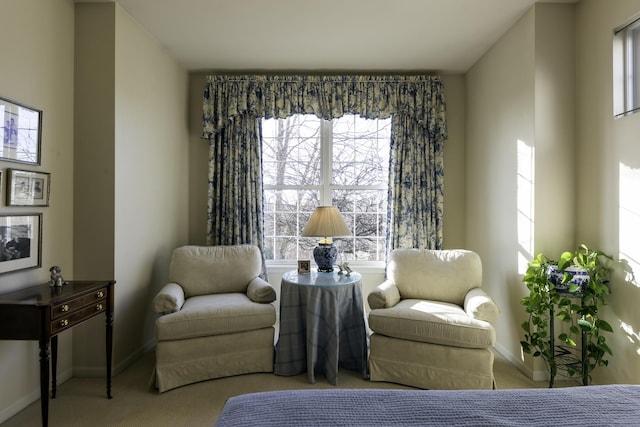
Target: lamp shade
<point x="326" y="221"/>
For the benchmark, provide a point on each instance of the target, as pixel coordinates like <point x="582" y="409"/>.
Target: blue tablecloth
<point x="322" y="325"/>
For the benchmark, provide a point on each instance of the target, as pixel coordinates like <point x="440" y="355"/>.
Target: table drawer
<point x="78" y="316"/>
<point x="70" y="306"/>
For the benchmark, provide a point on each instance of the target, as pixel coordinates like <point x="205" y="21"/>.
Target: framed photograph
<point x="304" y="266"/>
<point x="27" y="188"/>
<point x="21" y="131"/>
<point x="21" y="245"/>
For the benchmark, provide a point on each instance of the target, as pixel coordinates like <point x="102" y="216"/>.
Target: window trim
<point x="326" y="189"/>
<point x="626" y="69"/>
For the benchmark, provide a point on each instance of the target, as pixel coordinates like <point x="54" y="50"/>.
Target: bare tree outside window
<point x="308" y="162"/>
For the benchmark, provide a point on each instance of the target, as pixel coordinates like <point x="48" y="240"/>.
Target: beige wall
<point x="500" y="113"/>
<point x="520" y="121"/>
<point x="454" y="233"/>
<point x="548" y="82"/>
<point x="118" y="155"/>
<point x="608" y="179"/>
<point x="37" y="70"/>
<point x="152" y="153"/>
<point x="131" y="174"/>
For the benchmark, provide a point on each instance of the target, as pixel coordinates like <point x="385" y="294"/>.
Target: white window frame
<point x="326" y="188"/>
<point x="626" y="69"/>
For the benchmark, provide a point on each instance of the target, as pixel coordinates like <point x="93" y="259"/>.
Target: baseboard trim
<point x="19" y="405"/>
<point x="535" y="375"/>
<point x="99" y="371"/>
<point x="30" y="398"/>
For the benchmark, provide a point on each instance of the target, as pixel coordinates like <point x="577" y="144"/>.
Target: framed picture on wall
<point x="27" y="188"/>
<point x="21" y="132"/>
<point x="21" y="244"/>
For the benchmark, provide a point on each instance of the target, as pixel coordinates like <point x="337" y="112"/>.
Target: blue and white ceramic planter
<point x="580" y="278"/>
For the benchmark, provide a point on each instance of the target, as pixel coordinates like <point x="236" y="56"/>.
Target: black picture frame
<point x="21" y="132"/>
<point x="20" y="241"/>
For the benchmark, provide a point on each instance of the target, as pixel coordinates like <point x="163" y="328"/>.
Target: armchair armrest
<point x="384" y="296"/>
<point x="479" y="305"/>
<point x="169" y="300"/>
<point x="259" y="290"/>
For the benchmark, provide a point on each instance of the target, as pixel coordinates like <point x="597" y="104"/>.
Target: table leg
<point x="44" y="381"/>
<point x="109" y="347"/>
<point x="54" y="365"/>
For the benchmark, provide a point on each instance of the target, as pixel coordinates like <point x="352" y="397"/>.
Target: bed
<point x="607" y="405"/>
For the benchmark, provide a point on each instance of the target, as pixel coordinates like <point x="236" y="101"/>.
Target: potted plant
<point x="571" y="290"/>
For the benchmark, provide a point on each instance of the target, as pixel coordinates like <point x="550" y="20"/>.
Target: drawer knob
<point x="64" y="322"/>
<point x="100" y="294"/>
<point x="98" y="307"/>
<point x="64" y="308"/>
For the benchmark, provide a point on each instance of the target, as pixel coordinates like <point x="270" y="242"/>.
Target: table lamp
<point x="326" y="222"/>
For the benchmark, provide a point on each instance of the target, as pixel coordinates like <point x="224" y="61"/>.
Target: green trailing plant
<point x="577" y="307"/>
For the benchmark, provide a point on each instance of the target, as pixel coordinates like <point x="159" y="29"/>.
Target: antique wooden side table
<point x="41" y="312"/>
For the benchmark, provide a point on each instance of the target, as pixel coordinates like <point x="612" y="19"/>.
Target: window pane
<point x="286" y="212"/>
<point x="360" y="152"/>
<point x="365" y="212"/>
<point x="291" y="150"/>
<point x="360" y="249"/>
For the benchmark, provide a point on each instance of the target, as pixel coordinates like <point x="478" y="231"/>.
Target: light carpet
<point x="83" y="402"/>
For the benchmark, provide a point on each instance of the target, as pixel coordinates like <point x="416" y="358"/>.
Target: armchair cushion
<point x="384" y="296"/>
<point x="480" y="306"/>
<point x="260" y="290"/>
<point x="203" y="270"/>
<point x="169" y="300"/>
<point x="219" y="314"/>
<point x="432" y="322"/>
<point x="438" y="275"/>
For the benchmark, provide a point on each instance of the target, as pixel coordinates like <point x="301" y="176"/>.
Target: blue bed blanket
<point x="608" y="405"/>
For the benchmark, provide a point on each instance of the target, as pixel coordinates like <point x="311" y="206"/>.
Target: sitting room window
<point x="309" y="162"/>
<point x="626" y="69"/>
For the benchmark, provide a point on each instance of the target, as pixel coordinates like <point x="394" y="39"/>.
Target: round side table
<point x="322" y="325"/>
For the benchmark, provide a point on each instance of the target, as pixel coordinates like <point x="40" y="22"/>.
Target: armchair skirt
<point x="182" y="362"/>
<point x="418" y="364"/>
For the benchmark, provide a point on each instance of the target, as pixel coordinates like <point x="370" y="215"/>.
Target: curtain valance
<point x="278" y="96"/>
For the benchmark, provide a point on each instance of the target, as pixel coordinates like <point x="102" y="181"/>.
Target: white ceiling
<point x="352" y="35"/>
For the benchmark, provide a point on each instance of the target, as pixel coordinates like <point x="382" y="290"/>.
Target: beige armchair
<point x="432" y="322"/>
<point x="216" y="317"/>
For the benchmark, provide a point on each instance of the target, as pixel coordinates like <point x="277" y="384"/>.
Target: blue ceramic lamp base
<point x="325" y="255"/>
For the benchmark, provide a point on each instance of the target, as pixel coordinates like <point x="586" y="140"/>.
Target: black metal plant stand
<point x="566" y="358"/>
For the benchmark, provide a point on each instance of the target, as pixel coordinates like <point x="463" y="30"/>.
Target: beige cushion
<point x="445" y="275"/>
<point x="215" y="315"/>
<point x="432" y="322"/>
<point x="479" y="305"/>
<point x="260" y="290"/>
<point x="384" y="296"/>
<point x="170" y="299"/>
<point x="202" y="270"/>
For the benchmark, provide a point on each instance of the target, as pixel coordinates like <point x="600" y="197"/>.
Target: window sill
<point x="278" y="267"/>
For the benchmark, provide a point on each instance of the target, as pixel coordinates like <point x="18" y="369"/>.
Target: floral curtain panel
<point x="233" y="105"/>
<point x="416" y="178"/>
